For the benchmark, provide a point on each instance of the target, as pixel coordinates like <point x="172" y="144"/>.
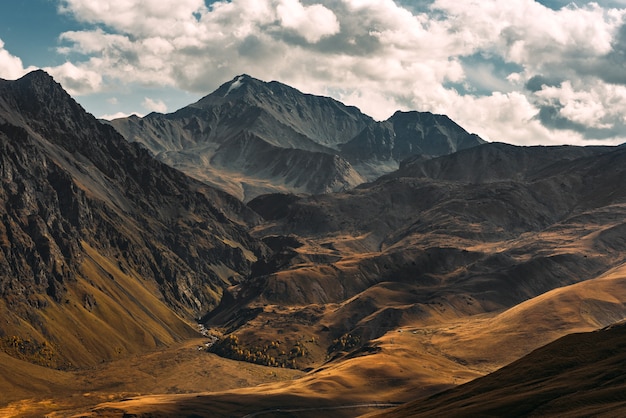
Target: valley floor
<point x="177" y="370"/>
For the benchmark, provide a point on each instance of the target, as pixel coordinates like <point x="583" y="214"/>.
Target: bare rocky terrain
<point x="128" y="288"/>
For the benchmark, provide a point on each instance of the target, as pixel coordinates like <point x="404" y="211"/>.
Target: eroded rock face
<point x="67" y="180"/>
<point x="40" y="214"/>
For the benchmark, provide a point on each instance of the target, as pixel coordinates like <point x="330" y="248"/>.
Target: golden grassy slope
<point x="439" y="346"/>
<point x="414" y="361"/>
<point x="112" y="337"/>
<point x="579" y="375"/>
<point x="106" y="314"/>
<point x="32" y="391"/>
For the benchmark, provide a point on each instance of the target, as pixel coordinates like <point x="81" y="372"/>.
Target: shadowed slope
<point x="495" y="162"/>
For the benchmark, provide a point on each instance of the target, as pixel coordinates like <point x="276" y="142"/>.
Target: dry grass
<point x="417" y="348"/>
<point x="176" y="370"/>
<point x="412" y="362"/>
<point x="113" y="337"/>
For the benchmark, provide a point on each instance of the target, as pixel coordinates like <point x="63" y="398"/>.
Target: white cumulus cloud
<point x="311" y="22"/>
<point x="119" y="115"/>
<point x="75" y="79"/>
<point x="481" y="62"/>
<point x="154" y="105"/>
<point x="11" y="67"/>
<point x="148" y="17"/>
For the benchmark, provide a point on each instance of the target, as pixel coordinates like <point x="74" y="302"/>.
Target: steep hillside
<point x="250" y="137"/>
<point x="102" y="248"/>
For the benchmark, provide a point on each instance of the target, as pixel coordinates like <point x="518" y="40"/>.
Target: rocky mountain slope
<point x="250" y="137"/>
<point x="103" y="249"/>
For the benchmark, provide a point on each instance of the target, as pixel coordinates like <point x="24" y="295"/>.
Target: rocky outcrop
<point x="41" y="214"/>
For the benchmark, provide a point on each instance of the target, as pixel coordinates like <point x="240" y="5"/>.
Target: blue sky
<point x="30" y="30"/>
<point x="31" y="27"/>
<point x="522" y="72"/>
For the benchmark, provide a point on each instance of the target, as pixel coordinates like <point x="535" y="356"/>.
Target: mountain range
<point x="356" y="265"/>
<point x="250" y="138"/>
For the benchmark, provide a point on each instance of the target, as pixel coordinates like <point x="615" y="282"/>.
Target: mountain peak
<point x="39" y="102"/>
<point x="38" y="76"/>
<point x="238" y="86"/>
<point x="236" y="83"/>
<point x="40" y="83"/>
<point x="37" y="87"/>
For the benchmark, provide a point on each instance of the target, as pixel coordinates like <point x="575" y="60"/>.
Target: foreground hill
<point x="578" y="375"/>
<point x="103" y="250"/>
<point x="250" y="137"/>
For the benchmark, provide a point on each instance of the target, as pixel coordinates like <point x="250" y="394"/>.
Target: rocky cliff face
<point x="40" y="241"/>
<point x="225" y="137"/>
<point x="74" y="191"/>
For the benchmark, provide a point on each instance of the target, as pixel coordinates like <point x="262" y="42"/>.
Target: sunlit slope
<point x="105" y="314"/>
<point x="35" y="391"/>
<point x="415" y="360"/>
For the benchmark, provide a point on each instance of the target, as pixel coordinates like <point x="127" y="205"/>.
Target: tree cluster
<point x="273" y="354"/>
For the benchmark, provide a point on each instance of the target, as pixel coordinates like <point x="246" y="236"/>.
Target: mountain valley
<point x="305" y="258"/>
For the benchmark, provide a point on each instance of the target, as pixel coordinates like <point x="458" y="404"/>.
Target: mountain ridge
<point x="193" y="139"/>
